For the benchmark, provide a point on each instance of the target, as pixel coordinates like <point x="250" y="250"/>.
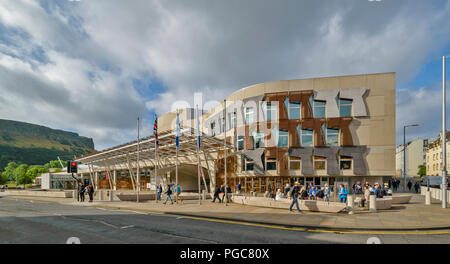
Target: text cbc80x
<point x="247" y="253"/>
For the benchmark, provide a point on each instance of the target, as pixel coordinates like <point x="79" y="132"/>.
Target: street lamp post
<point x="444" y="137"/>
<point x="404" y="154"/>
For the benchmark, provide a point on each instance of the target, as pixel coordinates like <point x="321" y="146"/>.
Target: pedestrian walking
<point x="239" y="188"/>
<point x="178" y="192"/>
<point x="294" y="194"/>
<point x="366" y="199"/>
<point x="168" y="193"/>
<point x="417" y="187"/>
<point x="343" y="192"/>
<point x="216" y="194"/>
<point x="286" y="190"/>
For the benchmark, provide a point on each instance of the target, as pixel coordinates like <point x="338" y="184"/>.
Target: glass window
<point x="345" y="163"/>
<point x="319" y="109"/>
<point x="283" y="139"/>
<point x="294" y="163"/>
<point x="294" y="109"/>
<point x="306" y="137"/>
<point x="319" y="163"/>
<point x="271" y="164"/>
<point x="213" y="129"/>
<point x="345" y="108"/>
<point x="332" y="136"/>
<point x="271" y="111"/>
<point x="233" y="120"/>
<point x="222" y="124"/>
<point x="240" y="142"/>
<point x="258" y="140"/>
<point x="248" y="115"/>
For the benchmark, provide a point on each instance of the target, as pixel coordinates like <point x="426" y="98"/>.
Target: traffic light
<point x="72" y="167"/>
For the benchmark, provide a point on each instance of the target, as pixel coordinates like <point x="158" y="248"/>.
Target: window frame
<point x="302" y="134"/>
<point x="283" y="135"/>
<point x="270" y="160"/>
<point x="345" y="159"/>
<point x="320" y="159"/>
<point x="295" y="160"/>
<point x="290" y="107"/>
<point x="349" y="102"/>
<point x="324" y="108"/>
<point x="249" y="112"/>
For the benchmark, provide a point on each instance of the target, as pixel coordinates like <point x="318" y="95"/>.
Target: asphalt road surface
<point x="24" y="221"/>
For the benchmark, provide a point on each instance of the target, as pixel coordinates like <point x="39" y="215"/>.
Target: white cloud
<point x="89" y="53"/>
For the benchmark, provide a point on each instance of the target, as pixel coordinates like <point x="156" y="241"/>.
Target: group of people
<point x="168" y="192"/>
<point x="221" y="192"/>
<point x="83" y="189"/>
<point x="309" y="192"/>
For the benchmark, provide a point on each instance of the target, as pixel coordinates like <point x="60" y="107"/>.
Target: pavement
<point x="38" y="222"/>
<point x="415" y="216"/>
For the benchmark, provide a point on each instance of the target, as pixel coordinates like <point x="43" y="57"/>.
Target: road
<point x="24" y="221"/>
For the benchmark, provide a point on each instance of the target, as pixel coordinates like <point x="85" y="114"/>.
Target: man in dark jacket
<point x="168" y="192"/>
<point x="216" y="194"/>
<point x="91" y="193"/>
<point x="81" y="191"/>
<point x="294" y="193"/>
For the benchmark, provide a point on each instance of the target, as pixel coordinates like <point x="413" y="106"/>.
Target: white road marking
<point x="124" y="227"/>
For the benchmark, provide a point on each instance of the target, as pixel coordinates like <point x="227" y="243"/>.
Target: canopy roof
<point x="166" y="148"/>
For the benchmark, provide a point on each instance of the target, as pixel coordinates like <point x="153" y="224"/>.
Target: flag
<point x="200" y="170"/>
<point x="198" y="129"/>
<point x="155" y="132"/>
<point x="106" y="175"/>
<point x="178" y="132"/>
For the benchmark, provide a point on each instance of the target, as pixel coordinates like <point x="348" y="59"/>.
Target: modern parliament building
<point x="315" y="131"/>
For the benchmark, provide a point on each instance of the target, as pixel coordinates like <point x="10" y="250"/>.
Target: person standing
<point x="327" y="193"/>
<point x="294" y="193"/>
<point x="239" y="188"/>
<point x="312" y="193"/>
<point x="216" y="194"/>
<point x="279" y="195"/>
<point x="343" y="192"/>
<point x="168" y="192"/>
<point x="409" y="185"/>
<point x="159" y="191"/>
<point x="81" y="191"/>
<point x="417" y="187"/>
<point x="286" y="190"/>
<point x="366" y="196"/>
<point x="91" y="193"/>
<point x="178" y="192"/>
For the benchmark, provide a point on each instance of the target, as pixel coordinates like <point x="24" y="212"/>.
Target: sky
<point x="94" y="66"/>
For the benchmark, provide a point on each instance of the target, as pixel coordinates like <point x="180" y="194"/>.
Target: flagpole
<point x="176" y="161"/>
<point x="155" y="134"/>
<point x="138" y="176"/>
<point x="198" y="156"/>
<point x="225" y="141"/>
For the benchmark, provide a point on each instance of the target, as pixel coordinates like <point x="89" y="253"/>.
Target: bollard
<point x="350" y="204"/>
<point x="373" y="204"/>
<point x="111" y="195"/>
<point x="428" y="198"/>
<point x="75" y="195"/>
<point x="100" y="195"/>
<point x="203" y="194"/>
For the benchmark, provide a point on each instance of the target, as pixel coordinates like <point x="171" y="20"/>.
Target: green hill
<point x="36" y="145"/>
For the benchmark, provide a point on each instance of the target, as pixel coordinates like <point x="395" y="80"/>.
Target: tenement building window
<point x="319" y="163"/>
<point x="283" y="139"/>
<point x="294" y="109"/>
<point x="294" y="163"/>
<point x="345" y="108"/>
<point x="345" y="163"/>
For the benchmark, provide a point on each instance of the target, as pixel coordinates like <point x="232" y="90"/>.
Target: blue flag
<point x="178" y="132"/>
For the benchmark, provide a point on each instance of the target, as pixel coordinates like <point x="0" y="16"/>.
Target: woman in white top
<point x="279" y="195"/>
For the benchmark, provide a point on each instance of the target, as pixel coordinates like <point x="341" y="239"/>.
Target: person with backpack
<point x="81" y="191"/>
<point x="320" y="194"/>
<point x="379" y="191"/>
<point x="343" y="192"/>
<point x="409" y="185"/>
<point x="216" y="194"/>
<point x="303" y="193"/>
<point x="168" y="192"/>
<point x="312" y="193"/>
<point x="90" y="191"/>
<point x="159" y="191"/>
<point x="294" y="194"/>
<point x="286" y="190"/>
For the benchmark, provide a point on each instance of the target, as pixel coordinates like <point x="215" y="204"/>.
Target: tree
<point x="53" y="164"/>
<point x="3" y="178"/>
<point x="9" y="171"/>
<point x="20" y="174"/>
<point x="34" y="171"/>
<point x="422" y="170"/>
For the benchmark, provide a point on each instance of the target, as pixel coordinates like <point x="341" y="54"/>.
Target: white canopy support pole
<point x="91" y="177"/>
<point x="109" y="173"/>
<point x="130" y="171"/>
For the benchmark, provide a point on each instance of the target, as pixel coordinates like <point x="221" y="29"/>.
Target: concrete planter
<point x="401" y="199"/>
<point x="307" y="205"/>
<point x="54" y="194"/>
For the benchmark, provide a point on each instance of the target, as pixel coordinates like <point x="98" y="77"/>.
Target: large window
<point x="240" y="142"/>
<point x="332" y="136"/>
<point x="222" y="124"/>
<point x="345" y="108"/>
<point x="294" y="109"/>
<point x="213" y="129"/>
<point x="233" y="120"/>
<point x="319" y="163"/>
<point x="247" y="164"/>
<point x="271" y="164"/>
<point x="249" y="115"/>
<point x="294" y="163"/>
<point x="319" y="109"/>
<point x="271" y="111"/>
<point x="345" y="163"/>
<point x="258" y="140"/>
<point x="306" y="137"/>
<point x="283" y="139"/>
